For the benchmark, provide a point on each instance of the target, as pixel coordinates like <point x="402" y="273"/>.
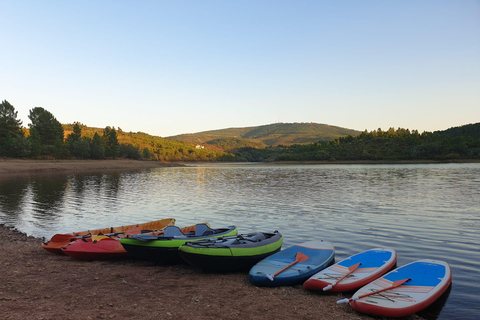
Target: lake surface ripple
<point x="421" y="211"/>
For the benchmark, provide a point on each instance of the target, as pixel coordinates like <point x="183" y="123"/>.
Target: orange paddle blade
<point x="300" y="257"/>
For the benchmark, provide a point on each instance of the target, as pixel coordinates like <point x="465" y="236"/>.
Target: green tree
<point x="45" y="128"/>
<point x="146" y="154"/>
<point x="77" y="133"/>
<point x="82" y="148"/>
<point x="97" y="150"/>
<point x="111" y="142"/>
<point x="73" y="139"/>
<point x="11" y="134"/>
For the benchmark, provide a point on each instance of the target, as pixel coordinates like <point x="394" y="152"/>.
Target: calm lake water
<point x="421" y="211"/>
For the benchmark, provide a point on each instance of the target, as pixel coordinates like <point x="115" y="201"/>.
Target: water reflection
<point x="12" y="194"/>
<point x="47" y="196"/>
<point x="434" y="310"/>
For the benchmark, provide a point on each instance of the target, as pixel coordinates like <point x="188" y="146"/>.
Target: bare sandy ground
<point x="21" y="166"/>
<point x="36" y="284"/>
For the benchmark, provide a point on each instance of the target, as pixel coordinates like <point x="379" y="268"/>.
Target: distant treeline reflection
<point x="44" y="195"/>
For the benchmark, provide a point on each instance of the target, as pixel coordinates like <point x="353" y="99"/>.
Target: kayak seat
<point x="172" y="231"/>
<point x="203" y="230"/>
<point x="254" y="237"/>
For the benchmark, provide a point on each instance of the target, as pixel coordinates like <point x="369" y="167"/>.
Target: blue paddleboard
<point x="313" y="256"/>
<point x="404" y="291"/>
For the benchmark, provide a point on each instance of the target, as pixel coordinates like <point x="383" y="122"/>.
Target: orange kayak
<point x="60" y="240"/>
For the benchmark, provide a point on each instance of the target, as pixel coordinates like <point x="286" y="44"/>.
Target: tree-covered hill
<point x="393" y="145"/>
<point x="46" y="138"/>
<point x="268" y="135"/>
<point x="158" y="148"/>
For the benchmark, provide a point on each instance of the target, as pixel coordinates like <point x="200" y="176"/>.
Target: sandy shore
<point x="21" y="166"/>
<point x="36" y="284"/>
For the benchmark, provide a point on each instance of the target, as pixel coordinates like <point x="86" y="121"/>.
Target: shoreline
<point x="28" y="166"/>
<point x="9" y="166"/>
<point x="36" y="284"/>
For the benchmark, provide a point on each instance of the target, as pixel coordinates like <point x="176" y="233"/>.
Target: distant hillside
<point x="267" y="135"/>
<point x="467" y="131"/>
<point x="158" y="148"/>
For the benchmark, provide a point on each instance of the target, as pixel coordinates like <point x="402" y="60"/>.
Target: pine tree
<point x="11" y="134"/>
<point x="44" y="127"/>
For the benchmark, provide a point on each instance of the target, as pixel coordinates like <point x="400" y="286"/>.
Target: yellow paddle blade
<point x="98" y="238"/>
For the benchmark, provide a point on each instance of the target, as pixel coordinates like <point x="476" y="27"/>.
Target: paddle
<point x="97" y="238"/>
<point x="397" y="283"/>
<point x="351" y="269"/>
<point x="300" y="257"/>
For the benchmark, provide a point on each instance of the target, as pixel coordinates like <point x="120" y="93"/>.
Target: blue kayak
<point x="299" y="262"/>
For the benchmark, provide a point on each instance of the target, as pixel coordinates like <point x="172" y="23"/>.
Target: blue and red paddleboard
<point x="403" y="291"/>
<point x="293" y="265"/>
<point x="354" y="272"/>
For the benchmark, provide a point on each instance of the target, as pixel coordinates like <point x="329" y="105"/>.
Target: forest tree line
<point x="47" y="138"/>
<point x="391" y="145"/>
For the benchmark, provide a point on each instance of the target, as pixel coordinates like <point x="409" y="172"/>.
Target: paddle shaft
<point x="397" y="283"/>
<point x="351" y="269"/>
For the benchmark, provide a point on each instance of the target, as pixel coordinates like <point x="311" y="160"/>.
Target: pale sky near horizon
<point x="173" y="67"/>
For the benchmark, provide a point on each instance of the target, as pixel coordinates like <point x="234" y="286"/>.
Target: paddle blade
<point x="354" y="267"/>
<point x="346" y="300"/>
<point x="399" y="282"/>
<point x="98" y="238"/>
<point x="300" y="257"/>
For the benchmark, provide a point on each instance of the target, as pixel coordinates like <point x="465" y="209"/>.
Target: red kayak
<point x="95" y="248"/>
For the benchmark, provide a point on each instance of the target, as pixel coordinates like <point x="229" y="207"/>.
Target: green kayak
<point x="233" y="253"/>
<point x="164" y="247"/>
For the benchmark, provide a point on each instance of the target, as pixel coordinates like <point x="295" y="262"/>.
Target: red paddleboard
<point x="353" y="272"/>
<point x="421" y="283"/>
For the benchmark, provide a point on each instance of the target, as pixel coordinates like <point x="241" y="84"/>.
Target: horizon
<point x="330" y="125"/>
<point x="171" y="68"/>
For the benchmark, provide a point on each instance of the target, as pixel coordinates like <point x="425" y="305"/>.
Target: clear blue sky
<point x="172" y="67"/>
